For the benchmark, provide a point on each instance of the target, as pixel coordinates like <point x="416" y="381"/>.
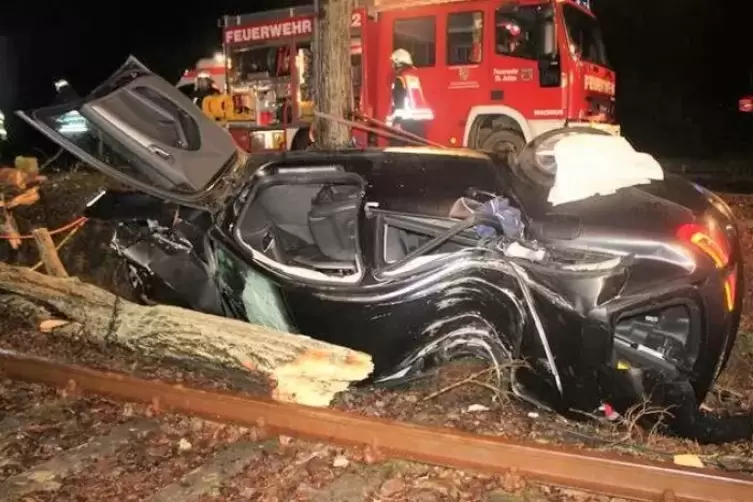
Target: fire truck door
<point x="514" y="70"/>
<point x="465" y="80"/>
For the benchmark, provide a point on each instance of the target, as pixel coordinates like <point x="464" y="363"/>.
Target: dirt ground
<point x="458" y="396"/>
<point x="62" y="199"/>
<point x="129" y="453"/>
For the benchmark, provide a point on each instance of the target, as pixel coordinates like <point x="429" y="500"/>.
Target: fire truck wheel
<point x="504" y="142"/>
<point x="301" y="140"/>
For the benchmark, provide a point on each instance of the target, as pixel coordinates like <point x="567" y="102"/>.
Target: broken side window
<point x="399" y="242"/>
<point x="250" y="295"/>
<point x="418" y="36"/>
<point x="464" y="38"/>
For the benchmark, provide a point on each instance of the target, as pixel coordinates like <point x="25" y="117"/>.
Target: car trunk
<point x="655" y="209"/>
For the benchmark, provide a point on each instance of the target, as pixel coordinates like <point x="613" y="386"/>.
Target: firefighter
<point x="509" y="38"/>
<point x="64" y="92"/>
<point x="3" y="130"/>
<point x="410" y="112"/>
<point x="204" y="86"/>
<point x="3" y="138"/>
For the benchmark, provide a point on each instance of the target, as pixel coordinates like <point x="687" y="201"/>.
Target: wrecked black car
<point x="417" y="256"/>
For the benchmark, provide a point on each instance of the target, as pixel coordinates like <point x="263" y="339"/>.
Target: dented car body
<point x="419" y="256"/>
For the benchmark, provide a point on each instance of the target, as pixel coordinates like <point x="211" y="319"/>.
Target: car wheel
<point x="505" y="142"/>
<point x="300" y="140"/>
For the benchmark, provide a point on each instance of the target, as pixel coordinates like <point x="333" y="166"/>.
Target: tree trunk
<point x="332" y="73"/>
<point x="298" y="368"/>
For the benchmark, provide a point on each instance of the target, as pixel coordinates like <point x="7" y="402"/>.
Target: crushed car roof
<point x="425" y="181"/>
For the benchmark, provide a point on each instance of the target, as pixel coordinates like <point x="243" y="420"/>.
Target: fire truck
<point x="746" y="104"/>
<point x="496" y="73"/>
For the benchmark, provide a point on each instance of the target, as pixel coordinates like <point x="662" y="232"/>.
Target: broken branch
<point x="297" y="368"/>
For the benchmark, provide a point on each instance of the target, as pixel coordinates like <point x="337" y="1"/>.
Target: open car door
<point x="139" y="129"/>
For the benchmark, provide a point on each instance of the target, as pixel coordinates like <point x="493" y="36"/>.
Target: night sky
<point x="681" y="65"/>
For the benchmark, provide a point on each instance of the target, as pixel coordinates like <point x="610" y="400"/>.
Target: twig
<point x="51" y="160"/>
<point x="499" y="394"/>
<point x="589" y="415"/>
<point x="458" y="384"/>
<point x="639" y="411"/>
<point x="724" y="390"/>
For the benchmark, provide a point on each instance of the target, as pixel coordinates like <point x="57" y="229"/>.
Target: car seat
<point x="332" y="221"/>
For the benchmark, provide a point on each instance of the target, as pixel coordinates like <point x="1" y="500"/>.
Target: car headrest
<point x="332" y="221"/>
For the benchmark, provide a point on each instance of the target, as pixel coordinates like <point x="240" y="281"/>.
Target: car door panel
<point x="141" y="130"/>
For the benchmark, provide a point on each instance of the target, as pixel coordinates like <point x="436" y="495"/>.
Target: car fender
<point x="465" y="321"/>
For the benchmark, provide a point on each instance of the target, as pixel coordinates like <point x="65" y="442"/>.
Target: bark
<point x="299" y="369"/>
<point x="332" y="71"/>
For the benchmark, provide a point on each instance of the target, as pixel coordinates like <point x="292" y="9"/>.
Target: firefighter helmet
<point x="401" y="57"/>
<point x="512" y="28"/>
<point x="60" y="84"/>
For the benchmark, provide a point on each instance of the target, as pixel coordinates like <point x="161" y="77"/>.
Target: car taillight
<point x="730" y="290"/>
<point x="711" y="241"/>
<point x="715" y="245"/>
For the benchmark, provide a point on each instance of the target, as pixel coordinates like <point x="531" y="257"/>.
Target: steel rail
<point x="595" y="472"/>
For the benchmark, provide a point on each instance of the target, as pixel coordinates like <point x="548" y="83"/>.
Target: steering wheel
<point x="536" y="159"/>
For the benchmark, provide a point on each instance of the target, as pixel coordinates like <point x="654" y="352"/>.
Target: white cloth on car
<point x="590" y="164"/>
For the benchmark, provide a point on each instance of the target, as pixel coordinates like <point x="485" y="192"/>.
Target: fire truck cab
<point x="496" y="73"/>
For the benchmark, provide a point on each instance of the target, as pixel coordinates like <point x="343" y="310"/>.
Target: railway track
<point x="199" y="472"/>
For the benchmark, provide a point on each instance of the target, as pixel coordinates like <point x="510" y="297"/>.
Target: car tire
<point x="504" y="142"/>
<point x="301" y="140"/>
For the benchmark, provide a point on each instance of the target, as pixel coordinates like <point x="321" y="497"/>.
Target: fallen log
<point x="298" y="369"/>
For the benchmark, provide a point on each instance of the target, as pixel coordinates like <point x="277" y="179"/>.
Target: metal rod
<point x="618" y="476"/>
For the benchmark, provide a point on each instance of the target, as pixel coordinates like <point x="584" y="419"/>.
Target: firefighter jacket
<point x="408" y="102"/>
<point x="3" y="131"/>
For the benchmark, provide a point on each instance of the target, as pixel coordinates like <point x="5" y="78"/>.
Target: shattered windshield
<point x="584" y="35"/>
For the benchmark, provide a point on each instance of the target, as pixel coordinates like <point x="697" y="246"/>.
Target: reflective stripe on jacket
<point x="414" y="106"/>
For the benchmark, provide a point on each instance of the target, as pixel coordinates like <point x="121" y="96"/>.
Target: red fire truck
<point x="746" y="104"/>
<point x="496" y="73"/>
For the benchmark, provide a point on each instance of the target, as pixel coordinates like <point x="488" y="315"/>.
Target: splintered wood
<point x="19" y="186"/>
<point x="48" y="254"/>
<point x="27" y="198"/>
<point x="298" y="369"/>
<point x="9" y="227"/>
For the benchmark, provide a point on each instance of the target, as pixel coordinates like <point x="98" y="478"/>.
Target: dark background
<point x="681" y="65"/>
